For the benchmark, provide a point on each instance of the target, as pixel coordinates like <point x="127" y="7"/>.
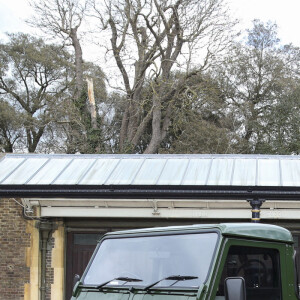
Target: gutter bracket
<point x="155" y="208"/>
<point x="27" y="206"/>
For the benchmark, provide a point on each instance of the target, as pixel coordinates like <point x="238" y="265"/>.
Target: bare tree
<point x="62" y="19"/>
<point x="149" y="40"/>
<point x="65" y="19"/>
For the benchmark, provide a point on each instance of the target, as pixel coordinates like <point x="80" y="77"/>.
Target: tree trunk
<point x="78" y="63"/>
<point x="33" y="138"/>
<point x="123" y="130"/>
<point x="156" y="129"/>
<point x="92" y="102"/>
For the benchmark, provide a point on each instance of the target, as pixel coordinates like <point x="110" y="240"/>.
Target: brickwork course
<point x="13" y="243"/>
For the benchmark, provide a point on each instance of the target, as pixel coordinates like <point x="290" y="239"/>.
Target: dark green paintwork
<point x="92" y="295"/>
<point x="257" y="230"/>
<point x="244" y="234"/>
<point x="251" y="230"/>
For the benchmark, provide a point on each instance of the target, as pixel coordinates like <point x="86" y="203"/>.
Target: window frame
<point x="221" y="259"/>
<point x="160" y="233"/>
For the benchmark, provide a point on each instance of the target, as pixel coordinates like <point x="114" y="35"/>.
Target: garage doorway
<point x="80" y="247"/>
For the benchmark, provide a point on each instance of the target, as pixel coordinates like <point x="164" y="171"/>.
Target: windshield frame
<point x="153" y="234"/>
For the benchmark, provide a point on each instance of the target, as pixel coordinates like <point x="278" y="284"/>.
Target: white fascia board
<point x="287" y="214"/>
<point x="139" y="213"/>
<point x="159" y="203"/>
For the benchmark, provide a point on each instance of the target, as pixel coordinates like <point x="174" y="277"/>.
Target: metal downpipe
<point x="255" y="209"/>
<point x="46" y="229"/>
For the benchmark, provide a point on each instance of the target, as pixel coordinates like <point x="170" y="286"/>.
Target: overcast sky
<point x="284" y="13"/>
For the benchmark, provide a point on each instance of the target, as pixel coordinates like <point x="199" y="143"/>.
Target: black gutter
<point x="145" y="192"/>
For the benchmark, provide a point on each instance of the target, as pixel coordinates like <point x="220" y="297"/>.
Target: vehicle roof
<point x="244" y="230"/>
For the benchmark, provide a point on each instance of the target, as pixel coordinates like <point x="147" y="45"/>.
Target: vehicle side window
<point x="259" y="267"/>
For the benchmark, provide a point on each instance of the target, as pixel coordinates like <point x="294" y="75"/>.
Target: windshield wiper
<point x="126" y="279"/>
<point x="172" y="277"/>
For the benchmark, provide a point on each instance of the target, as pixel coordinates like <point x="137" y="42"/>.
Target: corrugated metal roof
<point x="152" y="170"/>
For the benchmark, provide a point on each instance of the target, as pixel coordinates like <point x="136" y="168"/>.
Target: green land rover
<point x="214" y="262"/>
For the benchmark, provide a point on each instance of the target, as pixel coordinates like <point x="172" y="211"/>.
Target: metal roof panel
<point x="8" y="165"/>
<point x="197" y="172"/>
<point x="173" y="172"/>
<point x="244" y="172"/>
<point x="220" y="172"/>
<point x="149" y="172"/>
<point x="49" y="172"/>
<point x="100" y="171"/>
<point x="158" y="170"/>
<point x="268" y="172"/>
<point x="25" y="170"/>
<point x="74" y="171"/>
<point x="125" y="172"/>
<point x="290" y="170"/>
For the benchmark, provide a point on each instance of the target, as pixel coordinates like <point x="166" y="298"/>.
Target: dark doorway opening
<point x="297" y="258"/>
<point x="80" y="247"/>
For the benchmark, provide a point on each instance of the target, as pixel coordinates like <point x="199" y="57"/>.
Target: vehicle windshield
<point x="152" y="258"/>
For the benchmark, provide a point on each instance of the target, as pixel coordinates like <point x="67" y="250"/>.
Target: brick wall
<point x="13" y="243"/>
<point x="49" y="269"/>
